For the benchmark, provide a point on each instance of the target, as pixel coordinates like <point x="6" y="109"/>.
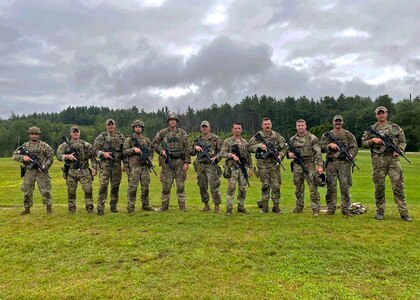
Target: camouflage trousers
<point x="388" y="165"/>
<point x="167" y="178"/>
<point x="208" y="176"/>
<point x="299" y="181"/>
<point x="237" y="178"/>
<point x="270" y="177"/>
<point x="75" y="176"/>
<point x="109" y="175"/>
<point x="138" y="174"/>
<point x="338" y="170"/>
<point x="28" y="186"/>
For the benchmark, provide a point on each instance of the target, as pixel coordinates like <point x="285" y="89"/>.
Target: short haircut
<point x="301" y="121"/>
<point x="237" y="123"/>
<point x="266" y="119"/>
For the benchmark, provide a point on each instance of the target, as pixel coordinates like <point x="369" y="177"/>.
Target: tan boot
<point x="217" y="208"/>
<point x="206" y="207"/>
<point x="27" y="211"/>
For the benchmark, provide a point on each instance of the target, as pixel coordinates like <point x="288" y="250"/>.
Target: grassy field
<point x="204" y="255"/>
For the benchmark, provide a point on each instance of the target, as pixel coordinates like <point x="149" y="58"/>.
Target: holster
<point x="22" y="171"/>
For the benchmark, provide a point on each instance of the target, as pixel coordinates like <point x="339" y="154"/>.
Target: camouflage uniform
<point x="179" y="148"/>
<point x="44" y="153"/>
<point x="78" y="171"/>
<point x="138" y="171"/>
<point x="338" y="167"/>
<point x="309" y="148"/>
<point x="207" y="173"/>
<point x="268" y="169"/>
<point x="110" y="170"/>
<point x="234" y="173"/>
<point x="383" y="163"/>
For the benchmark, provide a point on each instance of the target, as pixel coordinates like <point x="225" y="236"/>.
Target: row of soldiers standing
<point x="173" y="147"/>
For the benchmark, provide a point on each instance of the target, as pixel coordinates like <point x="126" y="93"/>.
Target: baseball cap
<point x="205" y="123"/>
<point x="379" y="108"/>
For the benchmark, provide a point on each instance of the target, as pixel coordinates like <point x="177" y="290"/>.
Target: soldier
<point x="172" y="145"/>
<point x="238" y="167"/>
<point x="108" y="146"/>
<point x="36" y="158"/>
<point x="207" y="147"/>
<point x="338" y="165"/>
<point x="138" y="151"/>
<point x="268" y="163"/>
<point x="307" y="146"/>
<point x="386" y="161"/>
<point x="75" y="154"/>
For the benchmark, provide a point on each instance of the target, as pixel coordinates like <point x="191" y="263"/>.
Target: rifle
<point x="271" y="151"/>
<point x="35" y="164"/>
<point x="206" y="151"/>
<point x="388" y="143"/>
<point x="298" y="158"/>
<point x="242" y="162"/>
<point x="145" y="154"/>
<point x="342" y="149"/>
<point x="168" y="158"/>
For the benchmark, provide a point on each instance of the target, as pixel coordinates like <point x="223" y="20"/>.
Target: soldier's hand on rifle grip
<point x="198" y="148"/>
<point x="26" y="158"/>
<point x="263" y="147"/>
<point x="234" y="157"/>
<point x="137" y="150"/>
<point x="107" y="155"/>
<point x="333" y="146"/>
<point x="163" y="153"/>
<point x="94" y="172"/>
<point x="71" y="157"/>
<point x="250" y="172"/>
<point x="186" y="166"/>
<point x="291" y="155"/>
<point x="377" y="141"/>
<point x="395" y="154"/>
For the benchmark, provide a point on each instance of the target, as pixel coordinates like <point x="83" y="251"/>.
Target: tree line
<point x="358" y="113"/>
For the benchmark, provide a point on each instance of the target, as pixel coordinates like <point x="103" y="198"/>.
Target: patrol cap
<point x="379" y="108"/>
<point x="110" y="121"/>
<point x="74" y="128"/>
<point x="205" y="123"/>
<point x="34" y="129"/>
<point x="338" y="117"/>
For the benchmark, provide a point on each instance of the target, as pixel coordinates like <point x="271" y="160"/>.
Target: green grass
<point x="203" y="255"/>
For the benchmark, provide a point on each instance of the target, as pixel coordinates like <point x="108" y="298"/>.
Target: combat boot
<point x="331" y="212"/>
<point x="264" y="208"/>
<point x="276" y="209"/>
<point x="49" y="209"/>
<point x="100" y="211"/>
<point x="148" y="208"/>
<point x="259" y="204"/>
<point x="315" y="213"/>
<point x="217" y="208"/>
<point x="297" y="210"/>
<point x="347" y="213"/>
<point x="379" y="216"/>
<point x="182" y="207"/>
<point x="89" y="209"/>
<point x="164" y="207"/>
<point x="26" y="211"/>
<point x="114" y="209"/>
<point x="406" y="218"/>
<point x="228" y="211"/>
<point x="242" y="210"/>
<point x="206" y="207"/>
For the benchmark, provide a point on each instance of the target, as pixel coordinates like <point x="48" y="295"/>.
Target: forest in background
<point x="358" y="113"/>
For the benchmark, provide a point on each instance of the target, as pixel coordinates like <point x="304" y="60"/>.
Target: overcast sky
<point x="120" y="53"/>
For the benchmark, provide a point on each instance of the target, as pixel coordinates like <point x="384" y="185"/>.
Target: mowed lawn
<point x="205" y="255"/>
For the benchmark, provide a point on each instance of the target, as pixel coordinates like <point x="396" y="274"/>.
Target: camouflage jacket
<point x="133" y="157"/>
<point x="309" y="148"/>
<point x="392" y="130"/>
<point x="39" y="150"/>
<point x="213" y="143"/>
<point x="83" y="151"/>
<point x="272" y="137"/>
<point x="344" y="136"/>
<point x="243" y="148"/>
<point x="177" y="142"/>
<point x="106" y="142"/>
